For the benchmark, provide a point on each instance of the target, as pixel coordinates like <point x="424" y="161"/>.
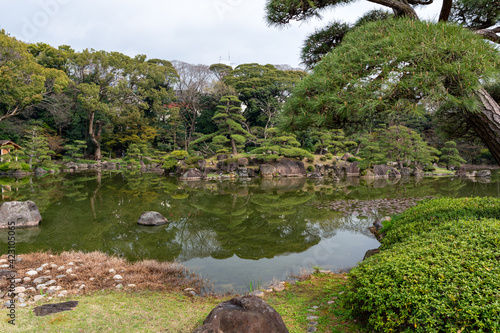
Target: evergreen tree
<point x="229" y="121"/>
<point x="451" y="156"/>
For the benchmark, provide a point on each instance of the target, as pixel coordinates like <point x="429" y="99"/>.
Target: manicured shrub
<point x="169" y="164"/>
<point x="329" y="156"/>
<point x="431" y="213"/>
<point x="443" y="281"/>
<point x="179" y="154"/>
<point x="310" y="168"/>
<point x="354" y="159"/>
<point x="429" y="168"/>
<point x="437" y="270"/>
<point x="193" y="160"/>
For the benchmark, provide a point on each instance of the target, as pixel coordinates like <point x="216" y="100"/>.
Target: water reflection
<point x="235" y="232"/>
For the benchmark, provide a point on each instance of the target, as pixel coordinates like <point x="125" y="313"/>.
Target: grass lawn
<point x="163" y="311"/>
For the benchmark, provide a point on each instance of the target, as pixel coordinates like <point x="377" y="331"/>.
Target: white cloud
<point x="195" y="31"/>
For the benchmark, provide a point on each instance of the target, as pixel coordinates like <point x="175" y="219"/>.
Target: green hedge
<point x="430" y="213"/>
<point x="446" y="279"/>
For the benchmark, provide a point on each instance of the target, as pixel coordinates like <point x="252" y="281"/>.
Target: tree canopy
<point x="397" y="66"/>
<point x="481" y="16"/>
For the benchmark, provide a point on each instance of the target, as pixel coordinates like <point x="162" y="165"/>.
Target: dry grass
<point x="93" y="270"/>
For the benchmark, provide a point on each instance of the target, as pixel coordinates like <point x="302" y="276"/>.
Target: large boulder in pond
<point x="353" y="169"/>
<point x="152" y="219"/>
<point x="247" y="314"/>
<point x="290" y="168"/>
<point x="21" y="213"/>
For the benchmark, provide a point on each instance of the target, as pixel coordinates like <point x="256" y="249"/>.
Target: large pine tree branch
<point x="400" y="8"/>
<point x="491" y="34"/>
<point x="445" y="10"/>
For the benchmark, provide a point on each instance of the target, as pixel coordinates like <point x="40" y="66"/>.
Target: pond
<point x="235" y="233"/>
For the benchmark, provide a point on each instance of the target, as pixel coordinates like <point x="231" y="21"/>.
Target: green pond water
<point x="232" y="232"/>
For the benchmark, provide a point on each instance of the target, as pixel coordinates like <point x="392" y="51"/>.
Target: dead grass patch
<point x="96" y="271"/>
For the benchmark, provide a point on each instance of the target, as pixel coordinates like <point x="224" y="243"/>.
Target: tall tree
<point x="193" y="81"/>
<point x="263" y="89"/>
<point x="23" y="82"/>
<point x="482" y="16"/>
<point x="401" y="66"/>
<point x="230" y="123"/>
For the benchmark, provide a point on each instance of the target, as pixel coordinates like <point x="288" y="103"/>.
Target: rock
<point x="405" y="172"/>
<point x="312" y="318"/>
<point x="152" y="219"/>
<point x="117" y="277"/>
<point x="112" y="271"/>
<point x="38" y="298"/>
<point x="7" y="274"/>
<point x="417" y="172"/>
<point x="242" y="172"/>
<point x="71" y="165"/>
<point x="40" y="171"/>
<point x="243" y="162"/>
<point x="370" y="253"/>
<point x="61" y="268"/>
<point x="248" y="312"/>
<point x="312" y="329"/>
<point x="31" y="273"/>
<point x="267" y="171"/>
<point x="346" y="156"/>
<point x="385" y="171"/>
<point x="119" y="286"/>
<point x="353" y="169"/>
<point x="192" y="174"/>
<point x="483" y="173"/>
<point x="290" y="168"/>
<point x="314" y="175"/>
<point x="278" y="287"/>
<point x="22" y="213"/>
<point x="369" y="175"/>
<point x="221" y="157"/>
<point x="19" y="290"/>
<point x="48" y="309"/>
<point x="60" y="276"/>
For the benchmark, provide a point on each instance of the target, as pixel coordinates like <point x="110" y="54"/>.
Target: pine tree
<point x="451" y="157"/>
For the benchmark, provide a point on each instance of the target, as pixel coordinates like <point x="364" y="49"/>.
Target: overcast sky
<point x="194" y="31"/>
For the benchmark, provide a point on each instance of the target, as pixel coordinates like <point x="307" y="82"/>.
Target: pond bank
<point x="155" y="304"/>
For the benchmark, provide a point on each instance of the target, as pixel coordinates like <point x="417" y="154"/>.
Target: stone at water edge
<point x="249" y="312"/>
<point x="22" y="213"/>
<point x="152" y="219"/>
<point x="483" y="173"/>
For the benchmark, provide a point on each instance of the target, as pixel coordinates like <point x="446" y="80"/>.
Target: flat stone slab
<point x="48" y="309"/>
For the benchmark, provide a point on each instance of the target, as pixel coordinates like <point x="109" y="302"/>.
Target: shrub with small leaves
<point x="441" y="276"/>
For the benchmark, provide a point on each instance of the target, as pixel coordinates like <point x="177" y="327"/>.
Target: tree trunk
<point x="93" y="135"/>
<point x="233" y="144"/>
<point x="445" y="10"/>
<point x="486" y="123"/>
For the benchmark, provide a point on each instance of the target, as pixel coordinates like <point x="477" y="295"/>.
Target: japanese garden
<point x="358" y="193"/>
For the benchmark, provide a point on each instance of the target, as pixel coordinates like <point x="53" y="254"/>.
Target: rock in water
<point x="55" y="308"/>
<point x="483" y="173"/>
<point x="247" y="314"/>
<point x="152" y="218"/>
<point x="22" y="213"/>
